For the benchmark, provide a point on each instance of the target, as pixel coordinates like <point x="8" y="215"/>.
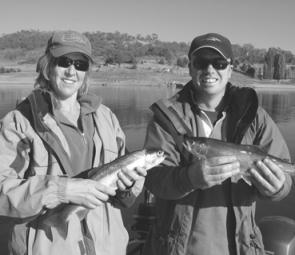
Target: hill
<point x="26" y="46"/>
<point x="125" y="59"/>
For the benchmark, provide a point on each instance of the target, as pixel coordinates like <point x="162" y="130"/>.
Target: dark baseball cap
<point x="65" y="42"/>
<point x="214" y="41"/>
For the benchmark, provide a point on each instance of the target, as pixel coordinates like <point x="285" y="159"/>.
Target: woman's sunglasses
<point x="80" y="65"/>
<point x="218" y="63"/>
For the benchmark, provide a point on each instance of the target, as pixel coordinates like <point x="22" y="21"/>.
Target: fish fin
<point x="57" y="222"/>
<point x="63" y="229"/>
<point x="242" y="176"/>
<point x="188" y="146"/>
<point x="247" y="180"/>
<point x="82" y="213"/>
<point x="235" y="178"/>
<point x="59" y="219"/>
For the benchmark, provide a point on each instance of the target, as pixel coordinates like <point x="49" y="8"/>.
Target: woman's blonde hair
<point x="45" y="65"/>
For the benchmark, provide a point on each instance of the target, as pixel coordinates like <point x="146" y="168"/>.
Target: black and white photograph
<point x="140" y="127"/>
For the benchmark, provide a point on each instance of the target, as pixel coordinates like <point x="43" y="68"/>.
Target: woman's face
<point x="68" y="74"/>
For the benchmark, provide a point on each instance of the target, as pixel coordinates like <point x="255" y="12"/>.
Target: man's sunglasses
<point x="80" y="65"/>
<point x="218" y="64"/>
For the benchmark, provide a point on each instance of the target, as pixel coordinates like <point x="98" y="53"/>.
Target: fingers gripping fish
<point x="247" y="155"/>
<point x="106" y="175"/>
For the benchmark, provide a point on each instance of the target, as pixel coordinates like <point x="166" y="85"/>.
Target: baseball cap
<point x="214" y="41"/>
<point x="64" y="42"/>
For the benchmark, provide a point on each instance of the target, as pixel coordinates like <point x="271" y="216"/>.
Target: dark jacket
<point x="178" y="205"/>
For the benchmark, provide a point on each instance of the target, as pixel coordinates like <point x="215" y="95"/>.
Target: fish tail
<point x="63" y="229"/>
<point x="60" y="220"/>
<point x="290" y="171"/>
<point x="187" y="145"/>
<point x="57" y="221"/>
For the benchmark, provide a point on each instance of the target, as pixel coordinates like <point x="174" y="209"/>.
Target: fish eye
<point x="160" y="153"/>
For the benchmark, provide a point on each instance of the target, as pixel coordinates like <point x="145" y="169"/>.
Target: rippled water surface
<point x="131" y="103"/>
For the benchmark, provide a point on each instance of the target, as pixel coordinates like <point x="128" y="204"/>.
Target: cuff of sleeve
<point x="284" y="191"/>
<point x="184" y="180"/>
<point x="56" y="192"/>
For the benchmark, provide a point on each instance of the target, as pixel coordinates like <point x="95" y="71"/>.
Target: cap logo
<point x="71" y="37"/>
<point x="213" y="39"/>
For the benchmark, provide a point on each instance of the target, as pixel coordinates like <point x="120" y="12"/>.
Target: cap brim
<point x="60" y="51"/>
<point x="211" y="47"/>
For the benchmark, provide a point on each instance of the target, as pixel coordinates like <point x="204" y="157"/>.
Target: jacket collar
<point x="240" y="104"/>
<point x="38" y="109"/>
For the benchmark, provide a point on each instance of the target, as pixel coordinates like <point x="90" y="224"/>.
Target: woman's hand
<point x="87" y="193"/>
<point x="132" y="179"/>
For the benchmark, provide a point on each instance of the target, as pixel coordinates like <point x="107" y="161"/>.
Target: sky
<point x="262" y="23"/>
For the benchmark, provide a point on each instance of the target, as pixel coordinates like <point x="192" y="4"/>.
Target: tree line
<point x="117" y="48"/>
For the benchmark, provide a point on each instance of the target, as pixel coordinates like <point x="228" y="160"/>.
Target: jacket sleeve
<point x="22" y="195"/>
<point x="270" y="139"/>
<point x="169" y="180"/>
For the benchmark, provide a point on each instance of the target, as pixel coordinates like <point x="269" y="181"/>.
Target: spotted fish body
<point x="106" y="175"/>
<point x="247" y="155"/>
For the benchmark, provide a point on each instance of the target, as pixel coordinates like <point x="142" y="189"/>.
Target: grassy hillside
<point x="148" y="72"/>
<point x="138" y="59"/>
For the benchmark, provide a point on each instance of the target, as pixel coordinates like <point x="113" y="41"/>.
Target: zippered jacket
<point x="33" y="167"/>
<point x="178" y="205"/>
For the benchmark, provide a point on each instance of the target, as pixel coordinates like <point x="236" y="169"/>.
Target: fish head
<point x="196" y="146"/>
<point x="154" y="157"/>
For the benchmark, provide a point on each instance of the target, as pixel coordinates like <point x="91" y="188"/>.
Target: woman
<point x="56" y="133"/>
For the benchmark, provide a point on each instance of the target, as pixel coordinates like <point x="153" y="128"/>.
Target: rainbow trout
<point x="203" y="147"/>
<point x="106" y="175"/>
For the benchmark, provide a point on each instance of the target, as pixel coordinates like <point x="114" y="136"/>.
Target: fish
<point x="107" y="175"/>
<point x="247" y="155"/>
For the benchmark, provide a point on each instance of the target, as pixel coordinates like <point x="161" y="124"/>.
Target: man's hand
<point x="268" y="178"/>
<point x="209" y="172"/>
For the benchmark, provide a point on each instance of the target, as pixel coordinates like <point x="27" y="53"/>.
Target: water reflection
<point x="131" y="104"/>
<point x="281" y="106"/>
<point x="9" y="95"/>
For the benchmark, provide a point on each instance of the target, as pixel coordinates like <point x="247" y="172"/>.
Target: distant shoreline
<point x="272" y="87"/>
<point x="257" y="87"/>
<point x="151" y="75"/>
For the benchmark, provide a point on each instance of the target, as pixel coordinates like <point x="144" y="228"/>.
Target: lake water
<point x="130" y="104"/>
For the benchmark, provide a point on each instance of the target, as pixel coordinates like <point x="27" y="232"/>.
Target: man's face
<point x="210" y="72"/>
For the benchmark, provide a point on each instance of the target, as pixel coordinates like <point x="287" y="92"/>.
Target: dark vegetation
<point x="117" y="48"/>
<point x="9" y="69"/>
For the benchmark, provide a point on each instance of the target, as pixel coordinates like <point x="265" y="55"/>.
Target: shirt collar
<point x="89" y="103"/>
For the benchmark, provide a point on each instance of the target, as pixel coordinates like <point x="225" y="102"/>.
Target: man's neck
<point x="209" y="103"/>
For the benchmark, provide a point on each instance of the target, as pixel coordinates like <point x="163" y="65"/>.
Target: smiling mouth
<point x="209" y="80"/>
<point x="68" y="81"/>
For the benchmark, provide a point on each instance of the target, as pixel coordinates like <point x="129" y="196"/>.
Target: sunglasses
<point x="218" y="63"/>
<point x="80" y="65"/>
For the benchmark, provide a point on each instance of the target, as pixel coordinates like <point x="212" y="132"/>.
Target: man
<point x="200" y="208"/>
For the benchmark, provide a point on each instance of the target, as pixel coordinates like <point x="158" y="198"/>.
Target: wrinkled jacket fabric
<point x="33" y="166"/>
<point x="176" y="200"/>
